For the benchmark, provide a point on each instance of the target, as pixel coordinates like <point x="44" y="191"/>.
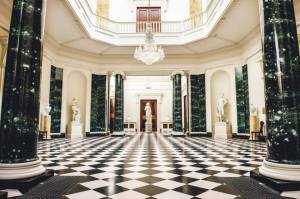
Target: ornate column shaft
<point x="119" y="103"/>
<point x="282" y="85"/>
<point x="177" y="103"/>
<point x="20" y="104"/>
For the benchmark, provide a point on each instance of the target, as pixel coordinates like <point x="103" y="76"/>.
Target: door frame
<point x="153" y="96"/>
<point x="141" y="111"/>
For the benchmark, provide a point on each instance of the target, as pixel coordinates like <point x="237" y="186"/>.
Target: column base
<point x="21" y="170"/>
<point x="278" y="185"/>
<point x="24" y="185"/>
<point x="277" y="171"/>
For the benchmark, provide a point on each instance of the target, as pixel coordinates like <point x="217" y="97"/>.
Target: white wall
<point x="76" y="89"/>
<point x="158" y="87"/>
<point x="217" y="81"/>
<point x="256" y="86"/>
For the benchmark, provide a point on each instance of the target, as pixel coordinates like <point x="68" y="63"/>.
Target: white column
<point x="88" y="102"/>
<point x="45" y="85"/>
<point x="64" y="99"/>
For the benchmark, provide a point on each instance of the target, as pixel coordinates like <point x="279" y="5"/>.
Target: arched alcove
<point x="220" y="84"/>
<point x="76" y="89"/>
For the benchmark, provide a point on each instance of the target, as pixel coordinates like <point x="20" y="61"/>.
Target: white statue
<point x="47" y="110"/>
<point x="220" y="107"/>
<point x="253" y="110"/>
<point x="148" y="113"/>
<point x="76" y="111"/>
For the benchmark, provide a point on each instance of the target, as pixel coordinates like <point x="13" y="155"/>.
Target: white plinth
<point x="222" y="130"/>
<point x="75" y="131"/>
<point x="148" y="126"/>
<point x="118" y="133"/>
<point x="21" y="170"/>
<point x="285" y="172"/>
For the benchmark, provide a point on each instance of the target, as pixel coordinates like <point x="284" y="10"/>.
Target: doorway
<point x="153" y="104"/>
<point x="148" y="13"/>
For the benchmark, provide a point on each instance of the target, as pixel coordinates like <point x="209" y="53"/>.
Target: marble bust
<point x="76" y="111"/>
<point x="222" y="101"/>
<point x="47" y="110"/>
<point x="253" y="110"/>
<point x="148" y="113"/>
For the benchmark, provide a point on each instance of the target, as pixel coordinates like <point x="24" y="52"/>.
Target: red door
<point x="142" y="15"/>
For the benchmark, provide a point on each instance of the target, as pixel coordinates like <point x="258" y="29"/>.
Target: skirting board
<point x="174" y="133"/>
<point x="95" y="133"/>
<point x="120" y="133"/>
<point x="102" y="133"/>
<point x="198" y="133"/>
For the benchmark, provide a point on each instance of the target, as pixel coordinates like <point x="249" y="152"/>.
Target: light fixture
<point x="149" y="53"/>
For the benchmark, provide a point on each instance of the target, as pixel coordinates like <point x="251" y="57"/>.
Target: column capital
<point x="180" y="72"/>
<point x="119" y="73"/>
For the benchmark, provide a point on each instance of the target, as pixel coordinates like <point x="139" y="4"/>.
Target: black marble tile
<point x="150" y="179"/>
<point x="190" y="190"/>
<point x="111" y="190"/>
<point x="150" y="190"/>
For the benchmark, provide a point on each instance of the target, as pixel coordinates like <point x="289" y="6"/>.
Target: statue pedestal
<point x="75" y="130"/>
<point x="253" y="123"/>
<point x="148" y="127"/>
<point x="222" y="130"/>
<point x="47" y="125"/>
<point x="253" y="126"/>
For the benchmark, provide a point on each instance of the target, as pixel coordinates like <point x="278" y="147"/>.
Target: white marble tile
<point x="211" y="194"/>
<point x="90" y="194"/>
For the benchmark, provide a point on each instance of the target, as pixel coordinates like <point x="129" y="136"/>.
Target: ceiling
<point x="63" y="27"/>
<point x="240" y="19"/>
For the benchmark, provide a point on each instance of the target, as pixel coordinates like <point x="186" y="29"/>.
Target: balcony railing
<point x="102" y="23"/>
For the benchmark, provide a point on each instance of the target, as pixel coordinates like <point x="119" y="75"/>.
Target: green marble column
<point x="119" y="103"/>
<point x="198" y="103"/>
<point x="98" y="100"/>
<point x="177" y="103"/>
<point x="282" y="83"/>
<point x="55" y="98"/>
<point x="21" y="97"/>
<point x="242" y="99"/>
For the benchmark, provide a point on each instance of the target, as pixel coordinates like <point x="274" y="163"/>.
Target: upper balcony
<point x="166" y="32"/>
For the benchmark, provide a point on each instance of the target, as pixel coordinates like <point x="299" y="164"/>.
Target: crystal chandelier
<point x="149" y="53"/>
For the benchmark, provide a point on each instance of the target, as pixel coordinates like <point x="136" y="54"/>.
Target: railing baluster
<point x="157" y="26"/>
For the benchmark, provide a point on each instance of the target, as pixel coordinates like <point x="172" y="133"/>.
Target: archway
<point x="220" y="84"/>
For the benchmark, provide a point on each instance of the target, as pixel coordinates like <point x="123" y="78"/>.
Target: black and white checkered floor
<point x="151" y="166"/>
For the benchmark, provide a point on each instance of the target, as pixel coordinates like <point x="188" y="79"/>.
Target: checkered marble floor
<point x="151" y="166"/>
